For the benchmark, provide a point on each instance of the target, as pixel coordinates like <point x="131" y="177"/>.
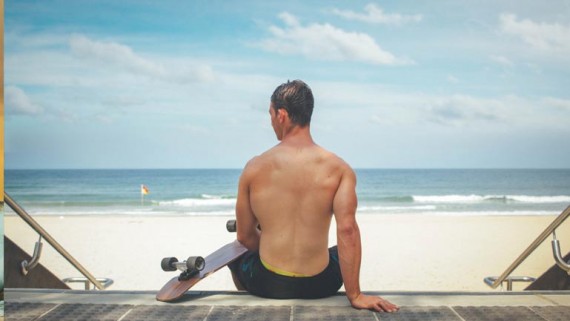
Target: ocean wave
<point x="397" y="199"/>
<point x="455" y="213"/>
<point x="216" y="197"/>
<point x="540" y="199"/>
<point x="131" y="212"/>
<point x="493" y="213"/>
<point x="200" y="202"/>
<point x="448" y="198"/>
<point x="456" y="199"/>
<point x="397" y="208"/>
<point x="230" y="213"/>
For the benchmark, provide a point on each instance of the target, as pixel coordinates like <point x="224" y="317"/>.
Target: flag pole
<point x="144" y="190"/>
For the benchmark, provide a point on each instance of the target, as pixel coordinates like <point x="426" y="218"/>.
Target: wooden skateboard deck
<point x="175" y="288"/>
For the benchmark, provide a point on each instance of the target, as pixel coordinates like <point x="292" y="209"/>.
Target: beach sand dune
<point x="400" y="252"/>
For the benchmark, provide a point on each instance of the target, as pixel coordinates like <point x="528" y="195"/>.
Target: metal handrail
<point x="106" y="282"/>
<point x="558" y="255"/>
<point x="549" y="230"/>
<point x="37" y="227"/>
<point x="510" y="280"/>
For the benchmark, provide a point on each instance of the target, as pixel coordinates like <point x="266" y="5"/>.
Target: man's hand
<point x="375" y="303"/>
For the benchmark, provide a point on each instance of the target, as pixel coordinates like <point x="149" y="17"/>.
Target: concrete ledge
<point x="235" y="298"/>
<point x="57" y="305"/>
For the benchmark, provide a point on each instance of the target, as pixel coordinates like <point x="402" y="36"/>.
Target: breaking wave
<point x="454" y="199"/>
<point x="205" y="201"/>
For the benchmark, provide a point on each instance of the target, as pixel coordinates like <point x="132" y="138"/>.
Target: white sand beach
<point x="400" y="252"/>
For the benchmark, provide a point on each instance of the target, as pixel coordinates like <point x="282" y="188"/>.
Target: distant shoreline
<point x="213" y="192"/>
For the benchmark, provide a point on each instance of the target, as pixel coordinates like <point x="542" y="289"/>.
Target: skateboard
<point x="196" y="268"/>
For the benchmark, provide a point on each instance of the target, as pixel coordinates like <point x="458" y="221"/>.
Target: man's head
<point x="296" y="98"/>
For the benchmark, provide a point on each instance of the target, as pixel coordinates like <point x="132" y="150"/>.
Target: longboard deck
<point x="175" y="288"/>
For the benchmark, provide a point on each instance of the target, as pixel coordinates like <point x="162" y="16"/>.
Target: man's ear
<point x="282" y="114"/>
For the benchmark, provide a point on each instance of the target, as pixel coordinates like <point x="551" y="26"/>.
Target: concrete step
<point x="30" y="304"/>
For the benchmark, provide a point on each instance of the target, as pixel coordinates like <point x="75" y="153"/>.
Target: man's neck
<point x="297" y="135"/>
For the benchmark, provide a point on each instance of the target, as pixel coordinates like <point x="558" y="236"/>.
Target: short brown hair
<point x="296" y="98"/>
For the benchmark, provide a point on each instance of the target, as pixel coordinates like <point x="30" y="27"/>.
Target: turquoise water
<point x="213" y="192"/>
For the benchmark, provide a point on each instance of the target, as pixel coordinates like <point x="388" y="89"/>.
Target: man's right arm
<point x="349" y="245"/>
<point x="247" y="232"/>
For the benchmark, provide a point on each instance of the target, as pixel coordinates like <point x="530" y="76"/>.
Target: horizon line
<point x="241" y="168"/>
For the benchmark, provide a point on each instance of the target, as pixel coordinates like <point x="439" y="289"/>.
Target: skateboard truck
<point x="231" y="226"/>
<point x="179" y="285"/>
<point x="189" y="268"/>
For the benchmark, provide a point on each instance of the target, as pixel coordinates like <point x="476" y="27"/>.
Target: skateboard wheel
<point x="231" y="226"/>
<point x="167" y="264"/>
<point x="195" y="263"/>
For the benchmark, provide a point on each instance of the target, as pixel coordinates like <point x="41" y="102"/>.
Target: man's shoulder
<point x="264" y="158"/>
<point x="335" y="160"/>
<point x="275" y="155"/>
<point x="252" y="164"/>
<point x="256" y="163"/>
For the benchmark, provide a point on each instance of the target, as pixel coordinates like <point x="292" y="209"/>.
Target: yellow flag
<point x="144" y="190"/>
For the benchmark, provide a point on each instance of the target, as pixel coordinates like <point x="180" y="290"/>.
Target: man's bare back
<point x="293" y="190"/>
<point x="291" y="193"/>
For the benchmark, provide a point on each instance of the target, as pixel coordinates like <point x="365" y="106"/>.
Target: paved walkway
<point x="209" y="306"/>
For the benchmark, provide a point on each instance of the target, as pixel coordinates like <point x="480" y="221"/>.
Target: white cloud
<point x="503" y="61"/>
<point x="557" y="103"/>
<point x="460" y="109"/>
<point x="374" y="14"/>
<point x="290" y="19"/>
<point x="377" y="104"/>
<point x="452" y="79"/>
<point x="548" y="37"/>
<point x="326" y="42"/>
<point x="123" y="57"/>
<point x="114" y="53"/>
<point x="498" y="113"/>
<point x="17" y="102"/>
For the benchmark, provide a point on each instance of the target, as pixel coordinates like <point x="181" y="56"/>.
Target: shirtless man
<point x="292" y="191"/>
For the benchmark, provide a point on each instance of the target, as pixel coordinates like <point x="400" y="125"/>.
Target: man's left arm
<point x="247" y="232"/>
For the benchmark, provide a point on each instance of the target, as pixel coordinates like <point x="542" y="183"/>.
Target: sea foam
<point x="199" y="202"/>
<point x="457" y="199"/>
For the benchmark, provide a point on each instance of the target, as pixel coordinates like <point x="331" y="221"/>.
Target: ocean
<point x="213" y="191"/>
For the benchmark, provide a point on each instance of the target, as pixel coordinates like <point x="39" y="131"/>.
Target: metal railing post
<point x="558" y="255"/>
<point x="37" y="227"/>
<point x="549" y="230"/>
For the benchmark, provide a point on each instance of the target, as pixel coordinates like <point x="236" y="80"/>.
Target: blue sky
<point x="186" y="84"/>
